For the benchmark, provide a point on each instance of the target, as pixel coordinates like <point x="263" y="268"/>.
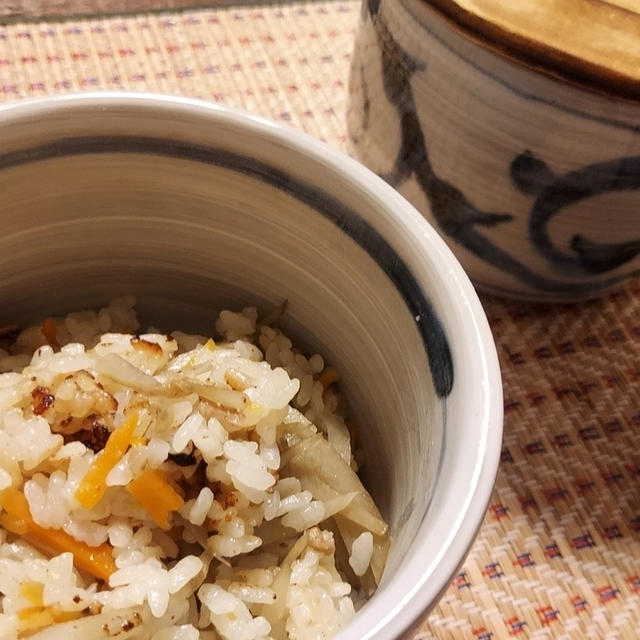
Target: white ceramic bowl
<point x="192" y="207"/>
<point x="523" y="152"/>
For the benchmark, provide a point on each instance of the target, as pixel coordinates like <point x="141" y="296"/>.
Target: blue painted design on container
<point x="462" y="221"/>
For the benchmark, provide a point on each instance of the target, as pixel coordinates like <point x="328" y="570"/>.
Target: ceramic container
<point x="514" y="128"/>
<point x="191" y="207"/>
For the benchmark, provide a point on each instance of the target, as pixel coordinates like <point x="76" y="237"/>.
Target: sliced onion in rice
<point x="338" y="504"/>
<point x="228" y="398"/>
<point x="252" y="594"/>
<point x="296" y="550"/>
<point x="320" y="465"/>
<point x="323" y="471"/>
<point x="296" y="420"/>
<point x="338" y="435"/>
<point x="354" y="509"/>
<point x="349" y="531"/>
<point x="139" y="621"/>
<point x="276" y="613"/>
<point x="117" y="368"/>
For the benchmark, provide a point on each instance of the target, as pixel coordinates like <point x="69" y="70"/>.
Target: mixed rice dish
<point x="174" y="487"/>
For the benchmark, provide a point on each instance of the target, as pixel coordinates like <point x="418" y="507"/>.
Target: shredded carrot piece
<point x="14" y="524"/>
<point x="98" y="561"/>
<point x="34" y="618"/>
<point x="39" y="617"/>
<point x="94" y="484"/>
<point x="156" y="495"/>
<point x="33" y="592"/>
<point x="49" y="331"/>
<point x="328" y="377"/>
<point x="65" y="616"/>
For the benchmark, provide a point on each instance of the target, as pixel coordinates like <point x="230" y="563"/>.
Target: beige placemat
<point x="34" y="9"/>
<point x="558" y="555"/>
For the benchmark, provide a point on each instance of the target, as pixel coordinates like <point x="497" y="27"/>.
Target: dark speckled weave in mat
<point x="558" y="555"/>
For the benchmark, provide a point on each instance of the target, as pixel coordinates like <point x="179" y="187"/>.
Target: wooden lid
<point x="595" y="43"/>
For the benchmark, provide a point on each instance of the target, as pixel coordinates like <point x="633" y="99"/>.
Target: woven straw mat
<point x="558" y="555"/>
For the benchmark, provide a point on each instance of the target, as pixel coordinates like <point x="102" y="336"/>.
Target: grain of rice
<point x="305" y="517"/>
<point x="201" y="506"/>
<point x="361" y="552"/>
<point x="187" y="431"/>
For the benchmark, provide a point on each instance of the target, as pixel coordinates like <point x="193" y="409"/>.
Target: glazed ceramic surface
<point x="531" y="180"/>
<point x="193" y="208"/>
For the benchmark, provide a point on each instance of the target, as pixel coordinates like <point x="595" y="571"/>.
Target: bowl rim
<point x="408" y="602"/>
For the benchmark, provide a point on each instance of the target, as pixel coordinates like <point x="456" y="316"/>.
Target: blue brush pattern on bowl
<point x="541" y="237"/>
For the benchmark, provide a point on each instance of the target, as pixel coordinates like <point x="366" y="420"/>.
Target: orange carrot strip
<point x="94" y="484"/>
<point x="98" y="561"/>
<point x="156" y="495"/>
<point x="49" y="331"/>
<point x="328" y="377"/>
<point x="33" y="592"/>
<point x="35" y="618"/>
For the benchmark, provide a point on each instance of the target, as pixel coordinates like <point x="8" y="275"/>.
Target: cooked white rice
<point x="172" y="487"/>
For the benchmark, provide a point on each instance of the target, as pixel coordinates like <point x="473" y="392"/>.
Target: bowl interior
<point x="193" y="211"/>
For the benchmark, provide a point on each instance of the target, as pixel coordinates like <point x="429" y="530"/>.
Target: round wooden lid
<point x="595" y="43"/>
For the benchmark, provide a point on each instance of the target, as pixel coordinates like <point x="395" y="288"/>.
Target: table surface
<point x="558" y="555"/>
